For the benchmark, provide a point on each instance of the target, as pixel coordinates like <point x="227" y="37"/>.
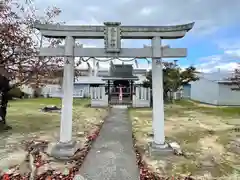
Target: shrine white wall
<point x="227" y="96"/>
<point x="209" y="89"/>
<point x="205" y="91"/>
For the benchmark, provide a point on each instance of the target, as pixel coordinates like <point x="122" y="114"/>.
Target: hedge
<point x="16" y="93"/>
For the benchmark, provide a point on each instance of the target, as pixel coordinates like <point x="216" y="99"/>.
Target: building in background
<point x="186" y="91"/>
<point x="213" y="88"/>
<point x="88" y="78"/>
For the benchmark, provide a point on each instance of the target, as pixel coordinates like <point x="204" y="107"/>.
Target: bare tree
<point x="236" y="78"/>
<point x="19" y="48"/>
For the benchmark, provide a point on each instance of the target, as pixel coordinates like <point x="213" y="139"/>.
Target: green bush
<point x="15" y="93"/>
<point x="26" y="96"/>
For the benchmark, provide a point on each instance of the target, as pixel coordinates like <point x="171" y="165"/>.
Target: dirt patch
<point x="31" y="124"/>
<point x="36" y="161"/>
<point x="207" y="139"/>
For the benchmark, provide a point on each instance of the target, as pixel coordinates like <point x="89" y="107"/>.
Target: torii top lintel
<point x="124" y="32"/>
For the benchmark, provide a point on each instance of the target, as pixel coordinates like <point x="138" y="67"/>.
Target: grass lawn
<point x="209" y="136"/>
<point x="28" y="122"/>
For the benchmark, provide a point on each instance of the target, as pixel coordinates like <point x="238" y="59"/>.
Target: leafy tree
<point x="19" y="45"/>
<point x="173" y="78"/>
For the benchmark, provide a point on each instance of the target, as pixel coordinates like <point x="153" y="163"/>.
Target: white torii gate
<point x="112" y="33"/>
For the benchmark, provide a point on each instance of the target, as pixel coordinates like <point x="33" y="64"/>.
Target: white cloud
<point x="234" y="52"/>
<point x="228" y="43"/>
<point x="225" y="62"/>
<point x="124" y="1"/>
<point x="92" y="8"/>
<point x="89" y="46"/>
<point x="213" y="67"/>
<point x="91" y="21"/>
<point x="208" y="16"/>
<point x="227" y="66"/>
<point x="232" y="49"/>
<point x="146" y="11"/>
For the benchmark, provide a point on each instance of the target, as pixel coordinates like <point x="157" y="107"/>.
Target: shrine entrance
<point x="120" y="84"/>
<point x="120" y="88"/>
<point x="120" y="94"/>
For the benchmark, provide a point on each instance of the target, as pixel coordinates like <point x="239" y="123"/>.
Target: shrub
<point x="15" y="93"/>
<point x="26" y="96"/>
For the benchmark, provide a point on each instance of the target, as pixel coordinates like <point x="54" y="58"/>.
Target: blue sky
<point x="213" y="43"/>
<point x="203" y="48"/>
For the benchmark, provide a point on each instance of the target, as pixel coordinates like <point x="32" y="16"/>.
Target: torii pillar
<point x="157" y="96"/>
<point x="158" y="145"/>
<point x="66" y="147"/>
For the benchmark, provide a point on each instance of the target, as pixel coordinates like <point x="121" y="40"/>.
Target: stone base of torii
<point x="112" y="33"/>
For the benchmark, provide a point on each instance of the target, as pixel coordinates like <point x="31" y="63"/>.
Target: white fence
<point x="142" y="97"/>
<point x="176" y="95"/>
<point x="99" y="98"/>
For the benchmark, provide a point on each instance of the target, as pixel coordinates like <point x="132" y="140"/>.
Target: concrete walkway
<point x="112" y="156"/>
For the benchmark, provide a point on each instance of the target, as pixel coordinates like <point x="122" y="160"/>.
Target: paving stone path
<point x="112" y="156"/>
